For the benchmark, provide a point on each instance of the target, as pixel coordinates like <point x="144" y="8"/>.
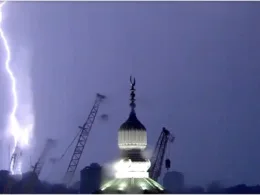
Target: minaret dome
<point x="132" y="133"/>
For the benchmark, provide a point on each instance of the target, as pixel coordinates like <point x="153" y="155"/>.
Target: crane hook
<point x="167" y="164"/>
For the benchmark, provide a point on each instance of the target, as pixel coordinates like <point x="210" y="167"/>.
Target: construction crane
<point x="15" y="162"/>
<point x="32" y="178"/>
<point x="14" y="167"/>
<point x="37" y="168"/>
<point x="83" y="136"/>
<point x="159" y="153"/>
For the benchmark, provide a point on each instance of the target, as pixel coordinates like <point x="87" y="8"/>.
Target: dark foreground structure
<point x="20" y="186"/>
<point x="90" y="178"/>
<point x="28" y="183"/>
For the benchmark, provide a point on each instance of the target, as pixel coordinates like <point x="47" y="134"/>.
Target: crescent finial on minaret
<point x="132" y="94"/>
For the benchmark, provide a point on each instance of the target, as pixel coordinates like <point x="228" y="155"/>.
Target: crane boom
<point x="159" y="153"/>
<point x="83" y="136"/>
<point x="37" y="168"/>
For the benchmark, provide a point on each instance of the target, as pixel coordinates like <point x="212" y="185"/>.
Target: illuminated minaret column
<point x="132" y="140"/>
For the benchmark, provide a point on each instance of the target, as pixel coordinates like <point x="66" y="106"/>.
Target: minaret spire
<point x="131" y="171"/>
<point x="132" y="94"/>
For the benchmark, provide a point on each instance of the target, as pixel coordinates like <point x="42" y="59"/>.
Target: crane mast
<point x="15" y="162"/>
<point x="83" y="136"/>
<point x="159" y="153"/>
<point x="14" y="167"/>
<point x="37" y="168"/>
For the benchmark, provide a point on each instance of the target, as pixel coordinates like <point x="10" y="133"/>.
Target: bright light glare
<point x="108" y="184"/>
<point x="128" y="165"/>
<point x="1" y="15"/>
<point x="128" y="169"/>
<point x="151" y="182"/>
<point x="19" y="133"/>
<point x="122" y="186"/>
<point x="122" y="165"/>
<point x="121" y="175"/>
<point x="143" y="186"/>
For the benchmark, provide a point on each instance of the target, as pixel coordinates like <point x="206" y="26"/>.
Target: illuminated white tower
<point x="132" y="140"/>
<point x="132" y="170"/>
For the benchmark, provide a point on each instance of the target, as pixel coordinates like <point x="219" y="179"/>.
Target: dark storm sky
<point x="197" y="70"/>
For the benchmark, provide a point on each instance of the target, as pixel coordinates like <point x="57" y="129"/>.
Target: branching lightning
<point x="20" y="135"/>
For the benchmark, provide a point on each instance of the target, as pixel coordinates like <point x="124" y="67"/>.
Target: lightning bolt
<point x="20" y="135"/>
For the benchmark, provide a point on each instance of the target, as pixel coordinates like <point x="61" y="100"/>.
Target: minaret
<point x="132" y="170"/>
<point x="132" y="140"/>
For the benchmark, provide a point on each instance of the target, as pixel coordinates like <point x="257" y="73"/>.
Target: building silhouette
<point x="91" y="178"/>
<point x="174" y="181"/>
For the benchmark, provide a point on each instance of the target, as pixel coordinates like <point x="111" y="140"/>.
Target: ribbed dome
<point x="132" y="134"/>
<point x="132" y="123"/>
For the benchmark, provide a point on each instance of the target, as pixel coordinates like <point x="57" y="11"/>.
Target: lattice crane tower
<point x="82" y="140"/>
